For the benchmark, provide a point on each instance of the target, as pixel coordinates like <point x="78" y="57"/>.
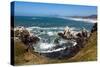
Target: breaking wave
<point x="51" y="47"/>
<point x="49" y="31"/>
<point x="49" y="28"/>
<point x="47" y="37"/>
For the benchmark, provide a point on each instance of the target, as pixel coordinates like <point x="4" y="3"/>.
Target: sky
<point x="46" y="9"/>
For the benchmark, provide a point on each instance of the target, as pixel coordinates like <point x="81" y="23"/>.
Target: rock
<point x="79" y="35"/>
<point x="61" y="34"/>
<point x="94" y="28"/>
<point x="56" y="41"/>
<point x="34" y="39"/>
<point x="83" y="34"/>
<point x="29" y="40"/>
<point x="26" y="37"/>
<point x="67" y="34"/>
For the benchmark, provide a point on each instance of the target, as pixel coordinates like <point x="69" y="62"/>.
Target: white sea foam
<point x="40" y="47"/>
<point x="48" y="51"/>
<point x="85" y="20"/>
<point x="35" y="18"/>
<point x="81" y="19"/>
<point x="50" y="28"/>
<point x="50" y="33"/>
<point x="45" y="47"/>
<point x="48" y="47"/>
<point x="46" y="28"/>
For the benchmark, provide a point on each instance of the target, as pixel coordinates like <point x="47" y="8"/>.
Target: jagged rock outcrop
<point x="25" y="37"/>
<point x="79" y="38"/>
<point x="68" y="34"/>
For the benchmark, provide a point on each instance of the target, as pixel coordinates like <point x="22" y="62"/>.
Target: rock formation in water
<point x="80" y="39"/>
<point x="25" y="37"/>
<point x="67" y="34"/>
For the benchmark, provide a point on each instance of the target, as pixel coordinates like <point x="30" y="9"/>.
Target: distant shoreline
<point x="81" y="19"/>
<point x="85" y="20"/>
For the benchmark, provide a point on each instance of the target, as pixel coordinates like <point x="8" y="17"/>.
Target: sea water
<point x="47" y="28"/>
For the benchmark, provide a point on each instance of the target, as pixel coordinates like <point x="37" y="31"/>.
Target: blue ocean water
<point x="46" y="22"/>
<point x="47" y="28"/>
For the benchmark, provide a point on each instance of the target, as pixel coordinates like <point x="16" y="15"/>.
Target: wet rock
<point x="62" y="35"/>
<point x="71" y="51"/>
<point x="79" y="35"/>
<point x="34" y="39"/>
<point x="56" y="41"/>
<point x="94" y="28"/>
<point x="26" y="37"/>
<point x="83" y="34"/>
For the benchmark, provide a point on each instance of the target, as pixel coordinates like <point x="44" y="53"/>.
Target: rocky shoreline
<point x="70" y="52"/>
<point x="29" y="40"/>
<point x="27" y="55"/>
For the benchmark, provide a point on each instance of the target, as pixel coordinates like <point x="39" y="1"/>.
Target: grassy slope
<point x="89" y="52"/>
<point x="23" y="57"/>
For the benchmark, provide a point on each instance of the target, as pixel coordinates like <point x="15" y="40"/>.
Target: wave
<point x="80" y="19"/>
<point x="35" y="18"/>
<point x="47" y="38"/>
<point x="51" y="28"/>
<point x="45" y="28"/>
<point x="50" y="47"/>
<point x="50" y="31"/>
<point x="48" y="51"/>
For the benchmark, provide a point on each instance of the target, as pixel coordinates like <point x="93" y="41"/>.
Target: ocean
<point x="46" y="28"/>
<point x="50" y="22"/>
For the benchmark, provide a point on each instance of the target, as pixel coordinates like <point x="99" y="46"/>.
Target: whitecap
<point x="35" y="18"/>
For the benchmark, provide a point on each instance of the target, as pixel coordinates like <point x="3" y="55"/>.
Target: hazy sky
<point x="43" y="9"/>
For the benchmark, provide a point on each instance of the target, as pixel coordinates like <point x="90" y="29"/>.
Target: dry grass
<point x="89" y="52"/>
<point x="23" y="57"/>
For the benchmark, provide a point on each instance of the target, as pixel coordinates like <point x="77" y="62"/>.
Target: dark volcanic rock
<point x="62" y="35"/>
<point x="34" y="39"/>
<point x="94" y="28"/>
<point x="79" y="34"/>
<point x="26" y="38"/>
<point x="56" y="41"/>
